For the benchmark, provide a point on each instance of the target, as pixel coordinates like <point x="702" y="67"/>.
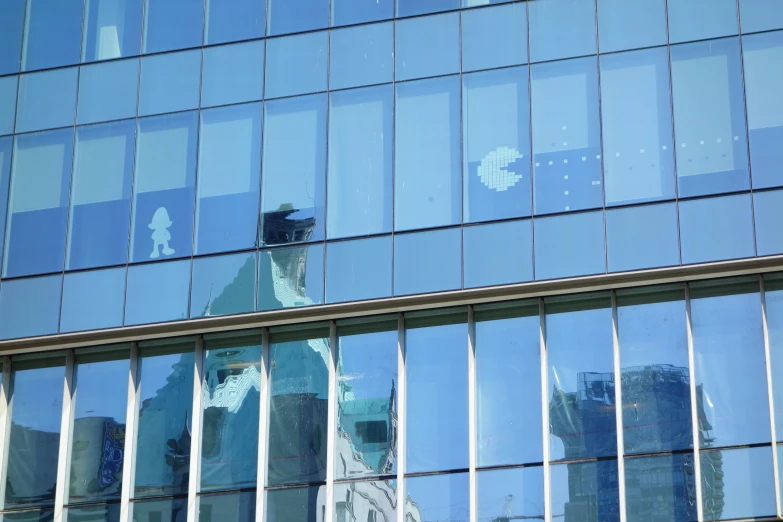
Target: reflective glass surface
<point x="561" y="29"/>
<point x="300" y="504"/>
<point x="642" y="237"/>
<point x="157" y="292"/>
<point x="296" y="64"/>
<point x="108" y="91"/>
<point x="361" y="56"/>
<point x="416" y="7"/>
<point x="427" y="261"/>
<point x="294" y="16"/>
<point x="514" y="493"/>
<point x="360" y="269"/>
<point x="737" y="484"/>
<point x="365" y="500"/>
<point x="700" y="19"/>
<point x="290" y="277"/>
<point x="223" y="285"/>
<point x="46" y="100"/>
<point x="112" y="29"/>
<point x="8" y="88"/>
<point x="165" y="510"/>
<point x="94" y="513"/>
<point x="760" y="15"/>
<point x="660" y="489"/>
<point x="172" y="24"/>
<point x="585" y="491"/>
<point x="92" y="300"/>
<point x="437" y="497"/>
<point x="427" y="46"/>
<point x="767" y="208"/>
<point x="12" y="14"/>
<point x="30" y="307"/>
<point x="569" y="245"/>
<point x="6" y="147"/>
<point x="346" y="12"/>
<point x="231" y="507"/>
<point x="34" y="515"/>
<point x="494" y="37"/>
<point x="233" y="21"/>
<point x="773" y="297"/>
<point x="716" y="228"/>
<point x="631" y="25"/>
<point x="169" y="82"/>
<point x="53" y="32"/>
<point x="232" y="74"/>
<point x="498" y="253"/>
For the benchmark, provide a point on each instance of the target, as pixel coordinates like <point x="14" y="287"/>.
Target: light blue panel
<point x="561" y="29"/>
<point x="233" y="74"/>
<point x="737" y="484"/>
<point x="112" y="29"/>
<point x="642" y="237"/>
<point x="668" y="477"/>
<point x="569" y="245"/>
<point x="92" y="300"/>
<point x="359" y="270"/>
<point x="715" y="229"/>
<point x="294" y="16"/>
<point x="427" y="46"/>
<point x="418" y="7"/>
<point x="631" y="25"/>
<point x="494" y="37"/>
<point x="157" y="292"/>
<point x="438" y="497"/>
<point x="108" y="91"/>
<point x="768" y="213"/>
<point x="701" y="19"/>
<point x="348" y="12"/>
<point x="427" y="261"/>
<point x="760" y="15"/>
<point x="30" y="307"/>
<point x="47" y="100"/>
<point x="524" y="485"/>
<point x="498" y="254"/>
<point x="172" y="24"/>
<point x="361" y="55"/>
<point x="576" y="482"/>
<point x="223" y="285"/>
<point x="296" y="64"/>
<point x="234" y="21"/>
<point x="170" y="82"/>
<point x="8" y="86"/>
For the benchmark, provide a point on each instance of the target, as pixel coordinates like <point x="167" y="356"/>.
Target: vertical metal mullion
<point x="694" y="408"/>
<point x="263" y="431"/>
<point x="771" y="396"/>
<point x="6" y="407"/>
<point x="66" y="433"/>
<point x="401" y="418"/>
<point x="131" y="433"/>
<point x="195" y="449"/>
<point x="618" y="394"/>
<point x="331" y="421"/>
<point x="472" y="428"/>
<point x="544" y="410"/>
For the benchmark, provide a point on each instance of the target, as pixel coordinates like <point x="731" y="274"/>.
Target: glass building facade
<point x="391" y="260"/>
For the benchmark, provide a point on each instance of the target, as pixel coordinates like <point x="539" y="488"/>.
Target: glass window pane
<point x="99" y="402"/>
<point x="361" y="56"/>
<point x="108" y="91"/>
<point x="165" y="412"/>
<point x="763" y="81"/>
<point x="497" y="254"/>
<point x="112" y="29"/>
<point x="290" y="277"/>
<point x="436" y="373"/>
<point x="642" y="237"/>
<point x="570" y="245"/>
<point x="100" y="195"/>
<point x="581" y="378"/>
<point x="760" y="15"/>
<point x="366" y="501"/>
<point x="96" y="513"/>
<point x="228" y="179"/>
<point x="437" y="497"/>
<point x="230" y="507"/>
<point x="38" y="205"/>
<point x="586" y="491"/>
<point x="294" y="16"/>
<point x="92" y="300"/>
<point x="35" y="515"/>
<point x="232" y="387"/>
<point x="427" y="261"/>
<point x="366" y="441"/>
<point x="296" y="64"/>
<point x="294" y="165"/>
<point x="774" y="305"/>
<point x="360" y="162"/>
<point x="561" y="29"/>
<point x="12" y="14"/>
<point x="496" y="152"/>
<point x="233" y="21"/>
<point x="709" y="117"/>
<point x="494" y="37"/>
<point x="767" y="214"/>
<point x="631" y="25"/>
<point x="715" y="229"/>
<point x="299" y="397"/>
<point x="348" y="12"/>
<point x="162" y="222"/>
<point x="8" y="90"/>
<point x="517" y="494"/>
<point x="737" y="484"/>
<point x="427" y="46"/>
<point x="300" y="504"/>
<point x="508" y="388"/>
<point x="169" y="82"/>
<point x="358" y="270"/>
<point x="702" y="19"/>
<point x="166" y="510"/>
<point x="53" y="34"/>
<point x="30" y="307"/>
<point x="46" y="100"/>
<point x="172" y="24"/>
<point x="637" y="126"/>
<point x="566" y="135"/>
<point x="157" y="292"/>
<point x="233" y="74"/>
<point x="6" y="146"/>
<point x="427" y="140"/>
<point x="726" y="315"/>
<point x="223" y="285"/>
<point x="417" y="7"/>
<point x="37" y="394"/>
<point x="660" y="489"/>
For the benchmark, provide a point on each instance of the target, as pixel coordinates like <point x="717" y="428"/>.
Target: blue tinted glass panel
<point x="162" y="223"/>
<point x="296" y="64"/>
<point x="561" y="29"/>
<point x="301" y="504"/>
<point x="437" y="497"/>
<point x="46" y="100"/>
<point x="6" y="146"/>
<point x="37" y="393"/>
<point x="11" y="27"/>
<point x="172" y="24"/>
<point x="240" y="507"/>
<point x="228" y="179"/>
<point x="762" y="54"/>
<point x="223" y="285"/>
<point x="8" y="89"/>
<point x="108" y="91"/>
<point x="587" y="489"/>
<point x="436" y="372"/>
<point x="566" y="135"/>
<point x="760" y="15"/>
<point x="660" y="489"/>
<point x="290" y="277"/>
<point x="701" y="19"/>
<point x="767" y="214"/>
<point x="726" y="315"/>
<point x="350" y="500"/>
<point x="508" y="386"/>
<point x="716" y="228"/>
<point x="38" y="204"/>
<point x="347" y="12"/>
<point x="642" y="237"/>
<point x="774" y="304"/>
<point x="427" y="140"/>
<point x="494" y="37"/>
<point x="112" y="29"/>
<point x="169" y="83"/>
<point x="294" y="16"/>
<point x="229" y="440"/>
<point x="498" y="254"/>
<point x="100" y="195"/>
<point x="709" y="117"/>
<point x="233" y="21"/>
<point x="34" y="515"/>
<point x="358" y="270"/>
<point x="294" y="165"/>
<point x="427" y="46"/>
<point x="637" y="126"/>
<point x="737" y="484"/>
<point x="525" y="487"/>
<point x="94" y="513"/>
<point x="361" y="56"/>
<point x="427" y="261"/>
<point x="631" y="25"/>
<point x="30" y="307"/>
<point x="53" y="34"/>
<point x="157" y="292"/>
<point x="496" y="148"/>
<point x="417" y="7"/>
<point x="169" y="510"/>
<point x="569" y="245"/>
<point x="92" y="300"/>
<point x="360" y="162"/>
<point x="232" y="74"/>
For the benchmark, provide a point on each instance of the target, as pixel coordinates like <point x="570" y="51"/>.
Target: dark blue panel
<point x="234" y="20"/>
<point x="417" y="7"/>
<point x="767" y="207"/>
<point x="169" y="510"/>
<point x="427" y="261"/>
<point x="5" y="177"/>
<point x="715" y="229"/>
<point x="497" y="253"/>
<point x="179" y="205"/>
<point x="586" y="491"/>
<point x="660" y="489"/>
<point x="36" y="242"/>
<point x="11" y="27"/>
<point x="300" y="504"/>
<point x="642" y="237"/>
<point x="348" y="12"/>
<point x="54" y="32"/>
<point x="173" y="24"/>
<point x="213" y="508"/>
<point x="294" y="16"/>
<point x="227" y="223"/>
<point x="123" y="28"/>
<point x="93" y="299"/>
<point x="30" y="307"/>
<point x="99" y="238"/>
<point x="157" y="292"/>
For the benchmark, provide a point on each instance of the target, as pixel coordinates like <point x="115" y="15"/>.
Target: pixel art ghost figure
<point x="160" y="236"/>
